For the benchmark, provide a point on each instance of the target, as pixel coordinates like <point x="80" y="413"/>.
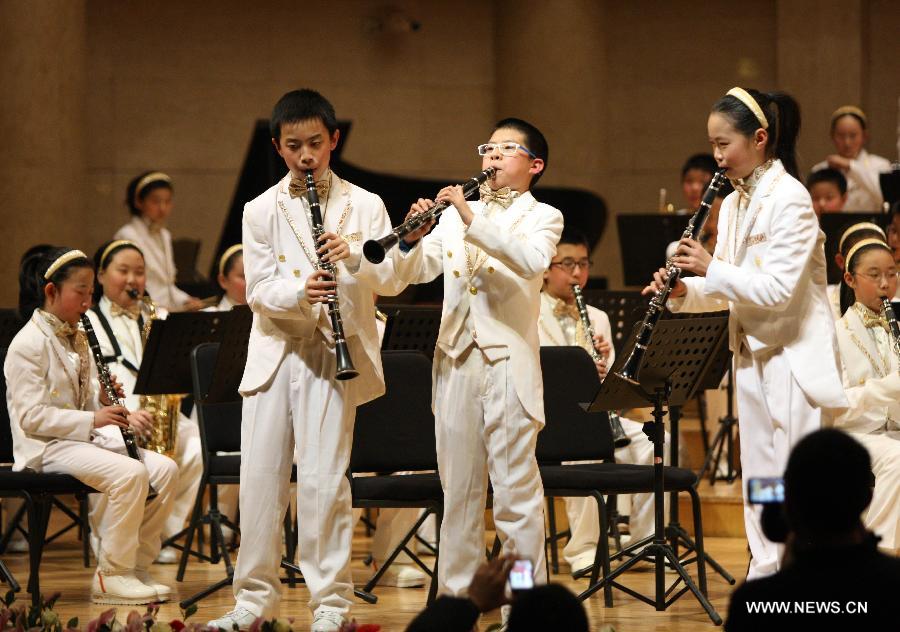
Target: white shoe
<point x="327" y="621"/>
<point x="239" y="618"/>
<point x="126" y="590"/>
<point x="402" y="576"/>
<point x="162" y="591"/>
<point x="582" y="561"/>
<point x="167" y="555"/>
<point x="17" y="545"/>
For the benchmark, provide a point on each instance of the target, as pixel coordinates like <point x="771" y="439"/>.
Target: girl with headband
<point x="768" y="269"/>
<point x="849" y="134"/>
<point x="149" y="200"/>
<point x="849" y="238"/>
<point x="118" y="320"/>
<point x="871" y="376"/>
<point x="58" y="415"/>
<point x="231" y="279"/>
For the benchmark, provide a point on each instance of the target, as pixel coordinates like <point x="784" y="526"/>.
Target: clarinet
<point x="620" y="439"/>
<point x="375" y="250"/>
<point x="131" y="444"/>
<point x="892" y="324"/>
<point x="632" y="367"/>
<point x="345" y="370"/>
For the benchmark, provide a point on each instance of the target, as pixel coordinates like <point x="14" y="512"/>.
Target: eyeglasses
<point x="569" y="265"/>
<point x="875" y="277"/>
<point x="506" y="149"/>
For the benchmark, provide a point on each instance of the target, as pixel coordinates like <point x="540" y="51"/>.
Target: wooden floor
<point x="62" y="571"/>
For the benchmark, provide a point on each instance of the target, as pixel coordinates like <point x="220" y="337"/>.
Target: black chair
<point x="395" y="433"/>
<point x="39" y="492"/>
<point x="571" y="434"/>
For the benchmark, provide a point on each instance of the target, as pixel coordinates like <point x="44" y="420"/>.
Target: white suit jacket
<point x="552" y="335"/>
<point x="873" y="399"/>
<point x="159" y="260"/>
<point x="773" y="281"/>
<point x="276" y="269"/>
<point x="519" y="243"/>
<point x="863" y="185"/>
<point x="40" y="394"/>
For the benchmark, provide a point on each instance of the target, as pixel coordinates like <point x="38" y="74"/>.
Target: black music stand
<point x="674" y="363"/>
<point x="413" y="328"/>
<point x="166" y="363"/>
<point x="643" y="239"/>
<point x="890" y="185"/>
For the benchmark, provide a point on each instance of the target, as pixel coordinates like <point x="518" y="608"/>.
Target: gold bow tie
<point x="564" y="309"/>
<point x="75" y="335"/>
<point x="872" y="320"/>
<point x="297" y="187"/>
<point x="132" y="312"/>
<point x="504" y="197"/>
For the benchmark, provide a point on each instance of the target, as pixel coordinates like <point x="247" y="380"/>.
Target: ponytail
<point x="34" y="266"/>
<point x="782" y="115"/>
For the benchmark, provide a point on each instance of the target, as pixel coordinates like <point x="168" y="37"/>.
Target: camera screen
<point x="765" y="490"/>
<point x="521" y="575"/>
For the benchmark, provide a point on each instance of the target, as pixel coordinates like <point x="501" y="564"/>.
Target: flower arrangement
<point x="43" y="618"/>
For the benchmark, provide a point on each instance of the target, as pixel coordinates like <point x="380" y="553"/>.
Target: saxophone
<point x="164" y="408"/>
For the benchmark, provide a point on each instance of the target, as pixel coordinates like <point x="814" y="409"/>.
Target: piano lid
<point x="263" y="167"/>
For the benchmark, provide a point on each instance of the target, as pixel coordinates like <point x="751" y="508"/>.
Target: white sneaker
<point x="402" y="576"/>
<point x="126" y="590"/>
<point x="582" y="561"/>
<point x="167" y="555"/>
<point x="239" y="618"/>
<point x="327" y="621"/>
<point x="17" y="545"/>
<point x="162" y="591"/>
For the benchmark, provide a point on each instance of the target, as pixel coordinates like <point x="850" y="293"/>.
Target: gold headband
<point x="848" y="109"/>
<point x="115" y="244"/>
<point x="155" y="176"/>
<point x="862" y="244"/>
<point x="858" y="227"/>
<point x="62" y="260"/>
<point x="747" y="99"/>
<point x="227" y="255"/>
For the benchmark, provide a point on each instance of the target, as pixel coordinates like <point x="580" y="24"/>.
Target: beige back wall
<point x="621" y="89"/>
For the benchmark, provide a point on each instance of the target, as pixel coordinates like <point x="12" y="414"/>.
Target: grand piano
<point x="263" y="167"/>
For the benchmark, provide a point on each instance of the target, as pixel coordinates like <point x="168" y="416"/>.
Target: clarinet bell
<point x="345" y="369"/>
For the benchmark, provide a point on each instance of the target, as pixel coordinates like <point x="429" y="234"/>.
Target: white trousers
<point x="883" y="515"/>
<point x="481" y="429"/>
<point x="584" y="519"/>
<point x="190" y="469"/>
<point x="129" y="527"/>
<point x="303" y="409"/>
<point x="775" y="415"/>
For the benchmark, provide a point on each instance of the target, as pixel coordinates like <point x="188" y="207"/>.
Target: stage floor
<point x="62" y="571"/>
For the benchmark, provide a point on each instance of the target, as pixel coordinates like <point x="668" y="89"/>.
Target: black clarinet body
<point x="131" y="443"/>
<point x="375" y="250"/>
<point x="620" y="439"/>
<point x="630" y="371"/>
<point x="345" y="369"/>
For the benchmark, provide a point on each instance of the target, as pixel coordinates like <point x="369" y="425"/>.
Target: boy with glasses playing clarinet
<point x="488" y="391"/>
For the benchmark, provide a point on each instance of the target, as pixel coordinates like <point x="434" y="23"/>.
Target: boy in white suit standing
<point x="488" y="393"/>
<point x="293" y="402"/>
<point x="768" y="268"/>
